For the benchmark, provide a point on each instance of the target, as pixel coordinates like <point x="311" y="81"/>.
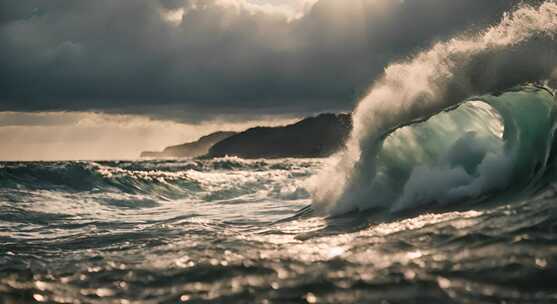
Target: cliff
<point x="191" y="149"/>
<point x="318" y="136"/>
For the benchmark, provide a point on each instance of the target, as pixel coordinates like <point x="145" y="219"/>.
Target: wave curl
<point x="520" y="49"/>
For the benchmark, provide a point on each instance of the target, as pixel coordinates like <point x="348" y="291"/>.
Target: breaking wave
<point x="469" y="120"/>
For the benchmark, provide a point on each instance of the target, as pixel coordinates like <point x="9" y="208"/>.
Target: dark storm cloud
<point x="123" y="56"/>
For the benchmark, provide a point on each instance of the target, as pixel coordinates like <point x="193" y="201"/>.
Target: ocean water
<point x="210" y="231"/>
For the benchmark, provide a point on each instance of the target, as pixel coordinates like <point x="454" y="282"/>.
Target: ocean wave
<point x="420" y="140"/>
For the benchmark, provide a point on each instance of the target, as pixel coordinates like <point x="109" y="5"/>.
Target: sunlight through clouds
<point x="173" y="16"/>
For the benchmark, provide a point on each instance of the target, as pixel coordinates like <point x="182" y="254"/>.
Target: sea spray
<point x="521" y="48"/>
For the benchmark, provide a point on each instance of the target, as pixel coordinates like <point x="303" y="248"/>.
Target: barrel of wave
<point x="515" y="51"/>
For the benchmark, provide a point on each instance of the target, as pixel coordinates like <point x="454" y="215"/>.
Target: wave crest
<point x="520" y="49"/>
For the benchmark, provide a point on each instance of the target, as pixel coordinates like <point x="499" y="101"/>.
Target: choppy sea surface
<point x="210" y="231"/>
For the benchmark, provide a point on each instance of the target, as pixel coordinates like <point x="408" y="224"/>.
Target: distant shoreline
<point x="311" y="137"/>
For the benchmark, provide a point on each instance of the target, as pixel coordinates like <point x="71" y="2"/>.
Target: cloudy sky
<point x="106" y="79"/>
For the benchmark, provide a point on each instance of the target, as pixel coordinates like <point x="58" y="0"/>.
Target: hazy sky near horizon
<point x="98" y="136"/>
<point x="158" y="72"/>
